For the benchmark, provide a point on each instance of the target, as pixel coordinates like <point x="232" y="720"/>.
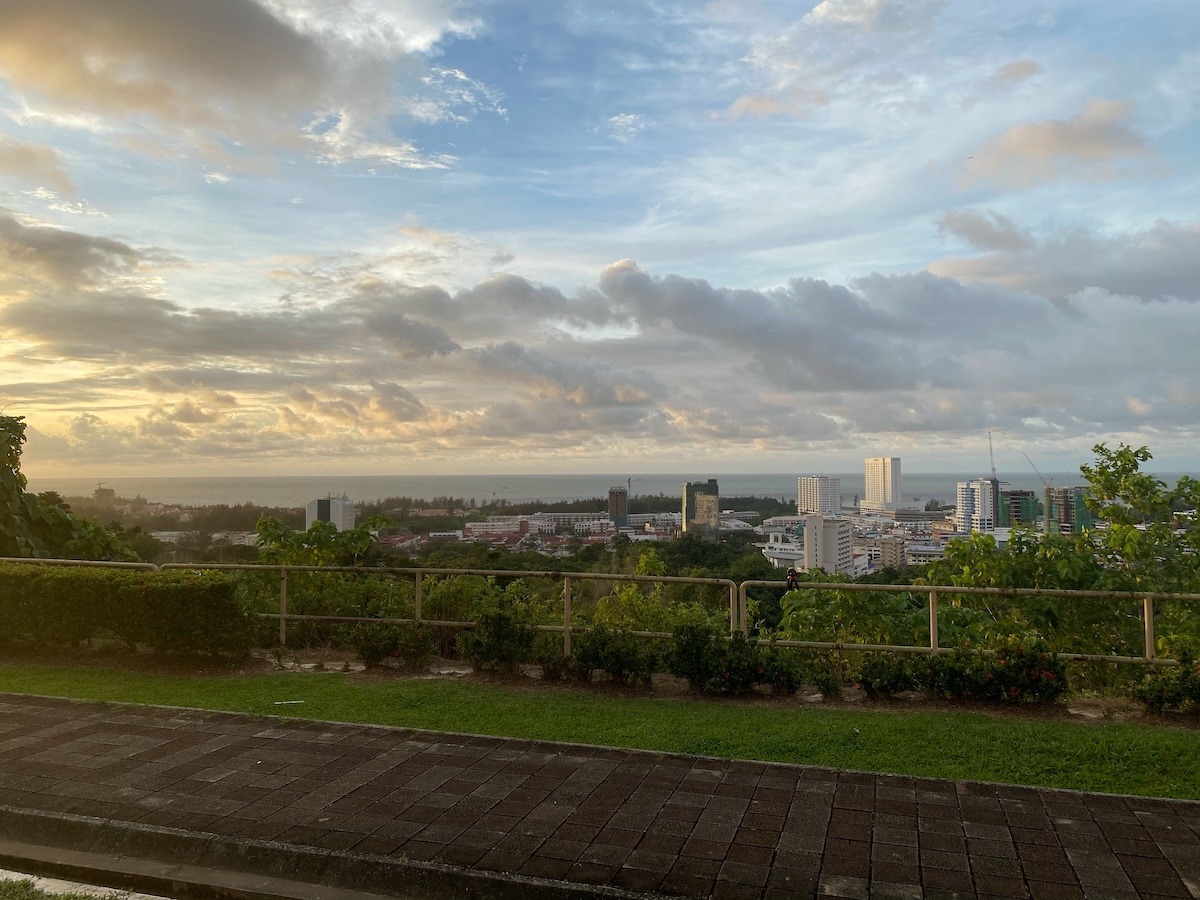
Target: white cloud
<point x="1092" y="145"/>
<point x="624" y="127"/>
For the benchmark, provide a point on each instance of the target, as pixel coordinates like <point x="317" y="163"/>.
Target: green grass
<point x="24" y="889"/>
<point x="1118" y="757"/>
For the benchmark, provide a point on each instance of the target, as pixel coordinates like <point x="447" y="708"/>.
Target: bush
<point x="1010" y="674"/>
<point x="499" y="643"/>
<point x="176" y="612"/>
<point x="548" y="653"/>
<point x="881" y="675"/>
<point x="415" y="646"/>
<point x="617" y="652"/>
<point x="780" y="673"/>
<point x="409" y="643"/>
<point x="1016" y="673"/>
<point x="709" y="661"/>
<point x="951" y="676"/>
<point x="1176" y="689"/>
<point x="692" y="654"/>
<point x="739" y="666"/>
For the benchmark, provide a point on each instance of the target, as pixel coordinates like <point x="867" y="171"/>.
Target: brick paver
<point x="645" y="822"/>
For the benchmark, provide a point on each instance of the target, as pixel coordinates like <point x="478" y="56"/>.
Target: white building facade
<point x="828" y="544"/>
<point x="818" y="494"/>
<point x="882" y="475"/>
<point x="976" y="505"/>
<point x="338" y="510"/>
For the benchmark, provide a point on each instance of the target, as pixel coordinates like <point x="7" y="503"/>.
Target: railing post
<point x="1148" y="622"/>
<point x="283" y="608"/>
<point x="566" y="617"/>
<point x="933" y="634"/>
<point x="417" y="598"/>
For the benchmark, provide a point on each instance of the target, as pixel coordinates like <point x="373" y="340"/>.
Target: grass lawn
<point x="1119" y="757"/>
<point x="24" y="889"/>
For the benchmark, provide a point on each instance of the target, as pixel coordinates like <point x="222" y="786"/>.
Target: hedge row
<point x="177" y="612"/>
<point x="715" y="663"/>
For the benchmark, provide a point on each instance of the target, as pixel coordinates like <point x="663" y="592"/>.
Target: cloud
<point x="1159" y="263"/>
<point x="624" y="127"/>
<point x="984" y="231"/>
<point x="1089" y="146"/>
<point x="869" y="15"/>
<point x="368" y="371"/>
<point x="34" y="164"/>
<point x="35" y="254"/>
<point x="1014" y="73"/>
<point x="231" y="78"/>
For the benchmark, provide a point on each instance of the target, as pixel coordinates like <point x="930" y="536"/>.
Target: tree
<point x="1145" y="546"/>
<point x="322" y="545"/>
<point x="43" y="526"/>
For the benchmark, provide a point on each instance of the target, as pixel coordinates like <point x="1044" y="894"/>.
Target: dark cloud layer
<point x="511" y="369"/>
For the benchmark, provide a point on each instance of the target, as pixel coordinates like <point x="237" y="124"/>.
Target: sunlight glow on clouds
<point x="417" y="235"/>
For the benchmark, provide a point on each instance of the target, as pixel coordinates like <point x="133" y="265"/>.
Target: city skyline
<point x="260" y="237"/>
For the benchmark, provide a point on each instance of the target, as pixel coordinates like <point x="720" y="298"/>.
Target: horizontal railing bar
<point x="943" y="589"/>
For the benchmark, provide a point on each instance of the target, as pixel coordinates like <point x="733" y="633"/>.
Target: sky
<point x="416" y="236"/>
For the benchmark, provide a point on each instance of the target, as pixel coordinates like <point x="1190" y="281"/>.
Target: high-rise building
<point x="882" y="483"/>
<point x="978" y="505"/>
<point x="828" y="544"/>
<point x="618" y="506"/>
<point x="1066" y="510"/>
<point x="701" y="508"/>
<point x="818" y="494"/>
<point x="338" y="510"/>
<point x="1017" y="508"/>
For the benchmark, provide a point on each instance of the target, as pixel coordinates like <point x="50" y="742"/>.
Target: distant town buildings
<point x="338" y="510"/>
<point x="882" y="475"/>
<point x="701" y="512"/>
<point x="818" y="494"/>
<point x="813" y="542"/>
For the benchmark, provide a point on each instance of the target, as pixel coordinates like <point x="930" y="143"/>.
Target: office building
<point x="618" y="506"/>
<point x="818" y="494"/>
<point x="882" y="483"/>
<point x="338" y="510"/>
<point x="1018" y="508"/>
<point x="977" y="505"/>
<point x="1066" y="510"/>
<point x="828" y="544"/>
<point x="701" y="513"/>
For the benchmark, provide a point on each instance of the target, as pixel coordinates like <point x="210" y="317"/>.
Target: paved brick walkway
<point x="642" y="822"/>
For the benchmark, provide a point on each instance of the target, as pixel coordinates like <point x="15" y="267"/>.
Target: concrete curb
<point x="152" y="859"/>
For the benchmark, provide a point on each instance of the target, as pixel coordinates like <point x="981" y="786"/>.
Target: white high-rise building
<point x="338" y="510"/>
<point x="818" y="494"/>
<point x="828" y="545"/>
<point x="977" y="505"/>
<point x="882" y="482"/>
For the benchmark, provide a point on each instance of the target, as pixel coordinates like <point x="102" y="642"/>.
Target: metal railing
<point x="1146" y="600"/>
<point x="738" y="601"/>
<point x="568" y="579"/>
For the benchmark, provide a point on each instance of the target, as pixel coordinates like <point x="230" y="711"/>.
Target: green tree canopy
<point x="43" y="527"/>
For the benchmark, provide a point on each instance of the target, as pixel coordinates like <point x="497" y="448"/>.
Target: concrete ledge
<point x="130" y="856"/>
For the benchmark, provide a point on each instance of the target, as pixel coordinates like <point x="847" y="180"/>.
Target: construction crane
<point x="991" y="455"/>
<point x="1048" y="484"/>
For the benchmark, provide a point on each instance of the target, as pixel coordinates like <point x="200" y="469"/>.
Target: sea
<point x="296" y="491"/>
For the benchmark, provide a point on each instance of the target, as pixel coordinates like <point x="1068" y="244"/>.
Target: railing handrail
<point x="738" y="597"/>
